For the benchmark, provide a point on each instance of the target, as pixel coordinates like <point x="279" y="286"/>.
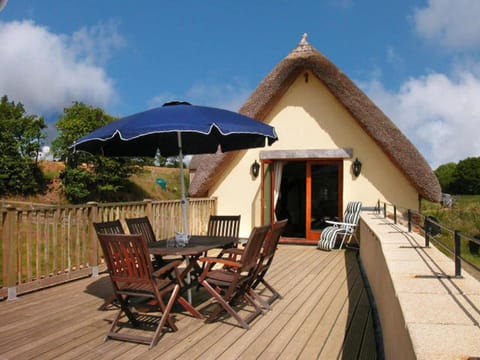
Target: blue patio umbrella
<point x="177" y="128"/>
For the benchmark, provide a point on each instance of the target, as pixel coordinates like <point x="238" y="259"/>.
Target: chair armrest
<point x="167" y="268"/>
<point x="242" y="241"/>
<point x="226" y="262"/>
<point x="232" y="251"/>
<point x="334" y="223"/>
<point x="339" y="223"/>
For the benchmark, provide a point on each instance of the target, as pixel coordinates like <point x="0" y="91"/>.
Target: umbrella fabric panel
<point x="203" y="129"/>
<point x="193" y="143"/>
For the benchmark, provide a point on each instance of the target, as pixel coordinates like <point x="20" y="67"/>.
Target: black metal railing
<point x="433" y="230"/>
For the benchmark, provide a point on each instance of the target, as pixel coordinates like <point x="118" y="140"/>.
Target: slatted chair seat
<point x="221" y="278"/>
<point x="345" y="229"/>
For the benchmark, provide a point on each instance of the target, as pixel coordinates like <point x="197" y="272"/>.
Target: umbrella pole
<point x="184" y="200"/>
<point x="184" y="208"/>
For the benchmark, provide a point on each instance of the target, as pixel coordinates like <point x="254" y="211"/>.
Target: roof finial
<point x="303" y="46"/>
<point x="304" y="39"/>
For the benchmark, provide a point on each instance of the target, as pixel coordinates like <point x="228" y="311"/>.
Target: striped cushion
<point x="329" y="234"/>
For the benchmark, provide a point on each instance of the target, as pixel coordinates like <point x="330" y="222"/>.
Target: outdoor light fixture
<point x="255" y="169"/>
<point x="356" y="167"/>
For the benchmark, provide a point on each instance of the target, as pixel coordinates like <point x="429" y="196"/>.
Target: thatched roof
<point x="373" y="121"/>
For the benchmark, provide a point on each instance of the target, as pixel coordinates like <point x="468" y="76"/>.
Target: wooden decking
<point x="324" y="314"/>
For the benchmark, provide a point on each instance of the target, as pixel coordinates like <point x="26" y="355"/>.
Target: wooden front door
<point x="323" y="195"/>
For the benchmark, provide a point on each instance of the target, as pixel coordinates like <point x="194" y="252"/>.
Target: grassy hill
<point x="143" y="185"/>
<point x="463" y="216"/>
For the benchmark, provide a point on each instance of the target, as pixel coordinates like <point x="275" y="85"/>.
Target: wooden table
<point x="196" y="246"/>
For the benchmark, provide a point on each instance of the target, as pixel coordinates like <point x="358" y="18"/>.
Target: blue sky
<point x="418" y="60"/>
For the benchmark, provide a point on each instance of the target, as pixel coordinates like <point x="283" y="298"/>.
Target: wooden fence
<point x="45" y="246"/>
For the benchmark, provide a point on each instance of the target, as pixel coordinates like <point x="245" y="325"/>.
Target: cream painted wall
<point x="308" y="116"/>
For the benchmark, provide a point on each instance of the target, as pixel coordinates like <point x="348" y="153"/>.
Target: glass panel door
<point x="323" y="196"/>
<point x="291" y="202"/>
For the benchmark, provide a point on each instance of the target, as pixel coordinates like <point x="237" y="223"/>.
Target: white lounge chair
<point x="346" y="228"/>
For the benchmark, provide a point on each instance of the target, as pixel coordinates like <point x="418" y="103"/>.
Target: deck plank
<point x="333" y="345"/>
<point x="291" y="288"/>
<point x="298" y="341"/>
<point x="324" y="329"/>
<point x="301" y="310"/>
<point x="323" y="313"/>
<point x="356" y="328"/>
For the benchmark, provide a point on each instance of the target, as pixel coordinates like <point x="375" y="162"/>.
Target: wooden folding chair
<point x="135" y="281"/>
<point x="228" y="284"/>
<point x="265" y="260"/>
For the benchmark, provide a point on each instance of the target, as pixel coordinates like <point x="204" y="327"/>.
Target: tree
<point x="467" y="176"/>
<point x="445" y="174"/>
<point x="21" y="136"/>
<point x="76" y="121"/>
<point x="88" y="177"/>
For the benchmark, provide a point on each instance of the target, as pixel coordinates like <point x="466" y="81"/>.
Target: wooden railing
<point x="45" y="246"/>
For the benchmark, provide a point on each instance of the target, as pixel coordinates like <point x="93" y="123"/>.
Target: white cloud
<point x="439" y="114"/>
<point x="95" y="44"/>
<point x="453" y="23"/>
<point x="394" y="59"/>
<point x="47" y="71"/>
<point x="226" y="96"/>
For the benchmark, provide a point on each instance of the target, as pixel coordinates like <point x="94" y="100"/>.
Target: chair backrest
<point x="109" y="227"/>
<point x="352" y="212"/>
<point x="224" y="225"/>
<point x="251" y="252"/>
<point x="271" y="242"/>
<point x="127" y="258"/>
<point x="143" y="226"/>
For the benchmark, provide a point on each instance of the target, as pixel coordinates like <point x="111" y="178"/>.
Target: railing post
<point x="409" y="215"/>
<point x="427" y="228"/>
<point x="384" y="210"/>
<point x="148" y="209"/>
<point x="394" y="214"/>
<point x="457" y="252"/>
<point x="10" y="251"/>
<point x="92" y="237"/>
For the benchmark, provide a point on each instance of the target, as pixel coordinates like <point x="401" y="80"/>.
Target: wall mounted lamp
<point x="356" y="167"/>
<point x="255" y="169"/>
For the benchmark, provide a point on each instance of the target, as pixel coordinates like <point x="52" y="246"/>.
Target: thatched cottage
<point x="335" y="145"/>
